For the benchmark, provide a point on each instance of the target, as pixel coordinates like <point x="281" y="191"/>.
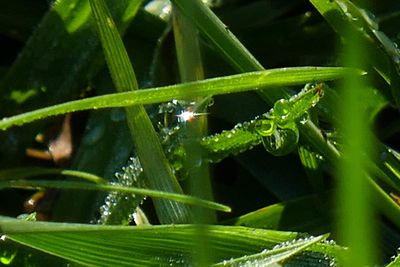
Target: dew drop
<point x="282" y="141"/>
<point x="265" y="127"/>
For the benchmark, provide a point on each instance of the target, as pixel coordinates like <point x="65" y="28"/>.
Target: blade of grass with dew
<point x="143" y="246"/>
<point x="22" y="173"/>
<point x="156" y="167"/>
<point x="236" y="54"/>
<point x="273" y="256"/>
<point x="216" y="86"/>
<point x="395" y="262"/>
<point x="33" y="184"/>
<point x="53" y="66"/>
<point x="343" y="14"/>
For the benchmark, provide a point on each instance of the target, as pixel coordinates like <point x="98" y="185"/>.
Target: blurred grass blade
<point x="144" y="246"/>
<point x="222" y="85"/>
<point x="110" y="187"/>
<point x="22" y="173"/>
<point x="274" y="256"/>
<point x="356" y="225"/>
<point x="155" y="165"/>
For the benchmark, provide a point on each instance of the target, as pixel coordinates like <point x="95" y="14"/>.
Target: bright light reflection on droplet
<point x="188" y="115"/>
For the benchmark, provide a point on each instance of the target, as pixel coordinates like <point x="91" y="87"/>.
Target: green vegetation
<point x="200" y="133"/>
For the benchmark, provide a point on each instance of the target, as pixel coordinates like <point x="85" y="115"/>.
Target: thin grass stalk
<point x="191" y="69"/>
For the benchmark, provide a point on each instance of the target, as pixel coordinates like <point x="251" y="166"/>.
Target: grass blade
<point x="274" y="256"/>
<point x="216" y="86"/>
<point x="117" y="188"/>
<point x="158" y="172"/>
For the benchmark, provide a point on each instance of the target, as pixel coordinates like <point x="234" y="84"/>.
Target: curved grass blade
<point x="216" y="86"/>
<point x="33" y="184"/>
<point x="395" y="262"/>
<point x="156" y="167"/>
<point x="275" y="255"/>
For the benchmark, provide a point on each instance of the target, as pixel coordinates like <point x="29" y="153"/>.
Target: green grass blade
<point x="273" y="256"/>
<point x="117" y="188"/>
<point x="158" y="172"/>
<point x="216" y="86"/>
<point x="395" y="262"/>
<point x="190" y="65"/>
<point x="356" y="225"/>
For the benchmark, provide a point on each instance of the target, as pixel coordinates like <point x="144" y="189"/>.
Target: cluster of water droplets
<point x="278" y="256"/>
<point x="173" y="118"/>
<point x="277" y="129"/>
<point x="234" y="141"/>
<point x="119" y="208"/>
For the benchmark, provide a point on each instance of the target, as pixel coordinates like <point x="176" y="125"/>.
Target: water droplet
<point x="265" y="127"/>
<point x="281" y="108"/>
<point x="282" y="141"/>
<point x="304" y="119"/>
<point x="118" y="207"/>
